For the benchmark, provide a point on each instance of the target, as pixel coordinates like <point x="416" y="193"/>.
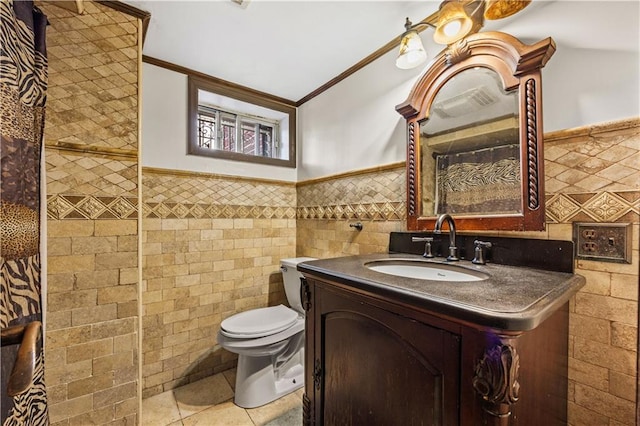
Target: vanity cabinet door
<point x="419" y="384"/>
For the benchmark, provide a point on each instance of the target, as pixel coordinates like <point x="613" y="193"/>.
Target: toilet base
<point x="258" y="382"/>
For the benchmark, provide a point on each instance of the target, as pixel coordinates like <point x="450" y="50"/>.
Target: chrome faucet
<point x="453" y="249"/>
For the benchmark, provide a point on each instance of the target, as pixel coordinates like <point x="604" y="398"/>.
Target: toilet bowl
<point x="269" y="343"/>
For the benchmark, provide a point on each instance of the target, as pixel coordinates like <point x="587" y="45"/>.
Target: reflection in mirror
<point x="470" y="147"/>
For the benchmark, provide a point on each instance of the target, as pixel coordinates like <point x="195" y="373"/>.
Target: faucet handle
<point x="478" y="257"/>
<point x="427" y="245"/>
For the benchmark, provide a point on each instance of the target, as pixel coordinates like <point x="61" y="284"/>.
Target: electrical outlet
<point x="608" y="242"/>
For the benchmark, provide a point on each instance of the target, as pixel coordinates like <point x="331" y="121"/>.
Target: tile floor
<point x="209" y="402"/>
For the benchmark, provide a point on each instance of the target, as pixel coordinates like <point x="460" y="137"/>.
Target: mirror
<point x="474" y="122"/>
<point x="470" y="156"/>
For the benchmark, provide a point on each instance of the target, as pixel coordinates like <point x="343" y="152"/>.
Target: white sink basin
<point x="426" y="270"/>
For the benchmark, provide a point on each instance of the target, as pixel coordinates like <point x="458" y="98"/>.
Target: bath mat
<point x="292" y="417"/>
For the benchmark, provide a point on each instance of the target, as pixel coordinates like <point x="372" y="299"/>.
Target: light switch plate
<point x="607" y="242"/>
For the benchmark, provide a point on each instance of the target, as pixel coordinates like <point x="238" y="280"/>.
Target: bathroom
<point x="165" y="247"/>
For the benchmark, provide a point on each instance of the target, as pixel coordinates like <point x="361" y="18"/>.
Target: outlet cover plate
<point x="606" y="242"/>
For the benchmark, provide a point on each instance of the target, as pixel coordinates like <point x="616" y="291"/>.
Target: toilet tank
<point x="291" y="278"/>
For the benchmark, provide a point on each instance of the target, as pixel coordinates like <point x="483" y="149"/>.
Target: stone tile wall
<point x="91" y="154"/>
<point x="211" y="248"/>
<point x="326" y="208"/>
<point x="591" y="176"/>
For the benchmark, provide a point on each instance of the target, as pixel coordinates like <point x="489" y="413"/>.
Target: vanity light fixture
<point x="412" y="51"/>
<point x="498" y="9"/>
<point x="454" y="22"/>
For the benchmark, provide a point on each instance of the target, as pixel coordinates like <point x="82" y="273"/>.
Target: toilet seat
<point x="258" y="322"/>
<point x="261" y="345"/>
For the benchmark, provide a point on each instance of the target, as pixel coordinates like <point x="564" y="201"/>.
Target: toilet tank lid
<point x="293" y="262"/>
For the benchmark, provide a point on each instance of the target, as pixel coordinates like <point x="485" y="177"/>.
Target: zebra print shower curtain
<point x="23" y="83"/>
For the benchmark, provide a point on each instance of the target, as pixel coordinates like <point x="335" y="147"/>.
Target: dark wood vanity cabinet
<point x="366" y="357"/>
<point x="372" y="360"/>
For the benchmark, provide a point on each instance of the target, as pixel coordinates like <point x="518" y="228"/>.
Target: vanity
<point x="444" y="331"/>
<point x="465" y="345"/>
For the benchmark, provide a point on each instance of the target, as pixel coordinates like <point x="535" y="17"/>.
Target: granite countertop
<point x="511" y="299"/>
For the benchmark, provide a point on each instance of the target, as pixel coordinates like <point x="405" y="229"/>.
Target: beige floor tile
<point x="203" y="394"/>
<point x="160" y="410"/>
<point x="208" y="402"/>
<point x="225" y="414"/>
<point x="266" y="413"/>
<point x="230" y="375"/>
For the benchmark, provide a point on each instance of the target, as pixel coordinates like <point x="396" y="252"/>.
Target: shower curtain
<point x="23" y="83"/>
<point x="479" y="181"/>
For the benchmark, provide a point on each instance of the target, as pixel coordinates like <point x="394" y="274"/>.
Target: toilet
<point x="269" y="343"/>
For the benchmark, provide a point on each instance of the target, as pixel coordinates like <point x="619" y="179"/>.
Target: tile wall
<point x="326" y="207"/>
<point x="211" y="244"/>
<point x="91" y="155"/>
<point x="211" y="248"/>
<point x="591" y="176"/>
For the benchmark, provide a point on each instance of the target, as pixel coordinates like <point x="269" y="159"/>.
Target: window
<point x="237" y="132"/>
<point x="240" y="125"/>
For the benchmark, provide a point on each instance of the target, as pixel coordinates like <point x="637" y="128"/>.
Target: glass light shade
<point x="452" y="28"/>
<point x="498" y="9"/>
<point x="452" y="17"/>
<point x="412" y="52"/>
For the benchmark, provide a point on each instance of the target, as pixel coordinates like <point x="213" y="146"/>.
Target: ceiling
<point x="291" y="48"/>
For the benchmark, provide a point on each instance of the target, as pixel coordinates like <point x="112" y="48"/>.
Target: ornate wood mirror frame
<point x="518" y="67"/>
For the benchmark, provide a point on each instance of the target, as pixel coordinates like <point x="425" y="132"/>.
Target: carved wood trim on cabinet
<point x="496" y="380"/>
<point x="411" y="170"/>
<point x="532" y="145"/>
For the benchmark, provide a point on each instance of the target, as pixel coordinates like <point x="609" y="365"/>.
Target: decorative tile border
<point x="91" y="207"/>
<point x="215" y="211"/>
<point x="596" y="207"/>
<point x="61" y="207"/>
<point x="376" y="194"/>
<point x="365" y="211"/>
<point x="561" y="208"/>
